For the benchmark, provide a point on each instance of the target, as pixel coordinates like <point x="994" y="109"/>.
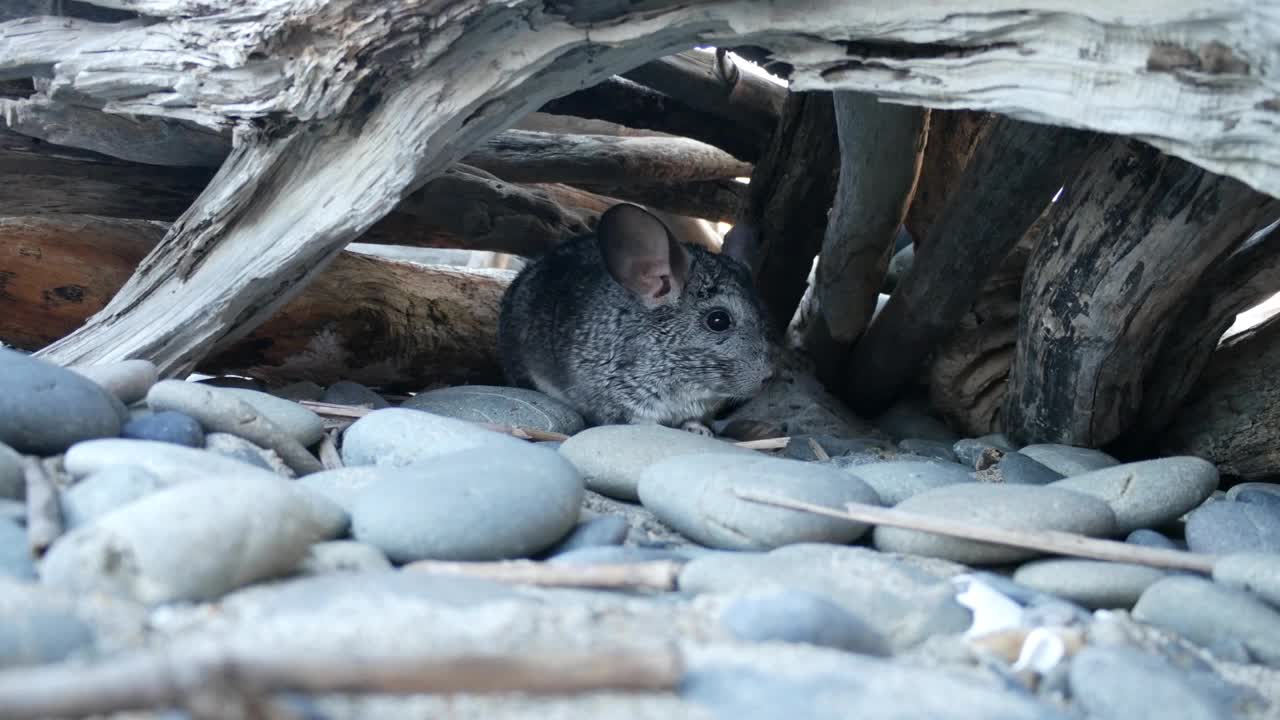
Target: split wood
<point x="1050" y="541"/>
<point x="173" y="678"/>
<point x="658" y="575"/>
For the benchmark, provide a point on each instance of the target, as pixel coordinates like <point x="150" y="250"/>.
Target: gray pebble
<point x="801" y="446"/>
<point x="300" y="390"/>
<point x="234" y="382"/>
<point x="504" y="500"/>
<point x="237" y="448"/>
<point x="194" y="541"/>
<point x="44" y="409"/>
<point x="1120" y="683"/>
<point x="499" y="405"/>
<point x="1148" y="493"/>
<point x="168" y="462"/>
<point x="14" y="511"/>
<point x="968" y="451"/>
<point x="104" y="491"/>
<point x="343" y="485"/>
<point x="908" y="419"/>
<point x="128" y="380"/>
<point x="345" y="392"/>
<point x="618" y="555"/>
<point x="613" y="457"/>
<point x="695" y="495"/>
<point x="1258" y="497"/>
<point x="1150" y="538"/>
<point x="1258" y="573"/>
<point x="396" y="436"/>
<point x="1068" y="459"/>
<point x="795" y="616"/>
<point x="15" y="554"/>
<point x="343" y="556"/>
<point x="304" y="425"/>
<point x="1019" y="507"/>
<point x="1000" y="441"/>
<point x="35" y="635"/>
<point x="1225" y="527"/>
<point x="1204" y="612"/>
<point x="1253" y="489"/>
<point x="1018" y="469"/>
<point x="597" y="532"/>
<point x="13" y="484"/>
<point x="166" y="426"/>
<point x="928" y="448"/>
<point x="1092" y="583"/>
<point x="897" y="480"/>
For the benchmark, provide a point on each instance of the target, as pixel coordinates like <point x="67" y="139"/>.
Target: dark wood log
<point x="880" y="150"/>
<point x="954" y="135"/>
<point x="391" y="324"/>
<point x="1130" y="239"/>
<point x="1012" y="176"/>
<point x="1232" y="415"/>
<point x="719" y="200"/>
<point x="711" y="82"/>
<point x="791" y="191"/>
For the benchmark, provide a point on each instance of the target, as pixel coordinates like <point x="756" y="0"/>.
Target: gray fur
<point x="569" y="329"/>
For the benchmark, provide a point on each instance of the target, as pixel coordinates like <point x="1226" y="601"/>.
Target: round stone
<point x="695" y="494"/>
<point x="166" y="426"/>
<point x="604" y="531"/>
<point x="1226" y="527"/>
<point x="33" y="634"/>
<point x="928" y="448"/>
<point x="908" y="419"/>
<point x="343" y="556"/>
<point x="499" y="405"/>
<point x="613" y="457"/>
<point x="1258" y="573"/>
<point x="1121" y="683"/>
<point x="15" y="554"/>
<point x="1208" y="613"/>
<point x="346" y="392"/>
<point x="1150" y="538"/>
<point x="104" y="491"/>
<point x="1148" y="493"/>
<point x="1259" y="497"/>
<point x="302" y="424"/>
<point x="802" y="447"/>
<point x="1016" y="507"/>
<point x="44" y="409"/>
<point x="794" y="616"/>
<point x="1068" y="459"/>
<point x="300" y="390"/>
<point x="396" y="436"/>
<point x="167" y="462"/>
<point x="343" y="485"/>
<point x="1234" y="492"/>
<point x="895" y="481"/>
<point x="237" y="448"/>
<point x="1018" y="469"/>
<point x="128" y="380"/>
<point x="1092" y="583"/>
<point x="13" y="483"/>
<point x="507" y="500"/>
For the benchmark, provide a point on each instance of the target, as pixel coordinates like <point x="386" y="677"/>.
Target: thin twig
<point x="329" y="456"/>
<point x="818" y="451"/>
<point x="149" y="680"/>
<point x="765" y="444"/>
<point x="1050" y="541"/>
<point x="44" y="515"/>
<point x="658" y="575"/>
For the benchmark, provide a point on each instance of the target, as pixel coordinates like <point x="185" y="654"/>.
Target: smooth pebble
<point x="897" y="480"/>
<point x="1206" y="613"/>
<point x="1226" y="527"/>
<point x="13" y="484"/>
<point x="343" y="485"/>
<point x="44" y="408"/>
<point x="1018" y="469"/>
<point x="1069" y="459"/>
<point x="1149" y="493"/>
<point x="928" y="448"/>
<point x="602" y="531"/>
<point x="1092" y="583"/>
<point x="165" y="426"/>
<point x="1258" y="573"/>
<point x="128" y="380"/>
<point x="15" y="554"/>
<point x="346" y="392"/>
<point x="168" y="462"/>
<point x="397" y="436"/>
<point x="343" y="556"/>
<point x="104" y="491"/>
<point x="795" y="616"/>
<point x="1150" y="538"/>
<point x="1121" y="683"/>
<point x="908" y="419"/>
<point x="499" y="405"/>
<point x="613" y="457"/>
<point x="237" y="448"/>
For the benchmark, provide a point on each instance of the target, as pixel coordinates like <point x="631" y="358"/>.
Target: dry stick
<point x="1051" y="541"/>
<point x="818" y="451"/>
<point x="152" y="679"/>
<point x="44" y="516"/>
<point x="329" y="456"/>
<point x="657" y="575"/>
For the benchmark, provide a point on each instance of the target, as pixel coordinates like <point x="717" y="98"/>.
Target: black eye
<point x="718" y="320"/>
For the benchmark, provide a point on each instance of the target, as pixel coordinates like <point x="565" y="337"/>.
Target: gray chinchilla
<point x="628" y="325"/>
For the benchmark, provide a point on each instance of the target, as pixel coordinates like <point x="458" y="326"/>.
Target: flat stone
<point x="695" y="495"/>
<point x="795" y="616"/>
<point x="906" y="600"/>
<point x="237" y="448"/>
<point x="396" y="436"/>
<point x="13" y="482"/>
<point x="613" y="457"/>
<point x="166" y="426"/>
<point x="104" y="491"/>
<point x="343" y="485"/>
<point x="44" y="409"/>
<point x="346" y="392"/>
<point x="907" y="419"/>
<point x="1120" y="683"/>
<point x="1018" y="469"/>
<point x="128" y="380"/>
<point x="343" y="556"/>
<point x="897" y="480"/>
<point x="1150" y="538"/>
<point x="499" y="405"/>
<point x="194" y="541"/>
<point x="1148" y="493"/>
<point x="1206" y="613"/>
<point x="246" y="414"/>
<point x="15" y="555"/>
<point x="1092" y="583"/>
<point x="169" y="463"/>
<point x="503" y="500"/>
<point x="928" y="448"/>
<point x="604" y="531"/>
<point x="1018" y="507"/>
<point x="1068" y="459"/>
<point x="1226" y="527"/>
<point x="1258" y="573"/>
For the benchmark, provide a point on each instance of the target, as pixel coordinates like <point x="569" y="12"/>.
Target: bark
<point x="954" y="135"/>
<point x="1010" y="179"/>
<point x="1232" y="416"/>
<point x="391" y="324"/>
<point x="714" y="84"/>
<point x="335" y="125"/>
<point x="790" y="193"/>
<point x="880" y="147"/>
<point x="1129" y="240"/>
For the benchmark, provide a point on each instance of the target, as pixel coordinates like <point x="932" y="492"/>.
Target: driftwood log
<point x="953" y="137"/>
<point x="391" y="324"/>
<point x="1129" y="240"/>
<point x="330" y="133"/>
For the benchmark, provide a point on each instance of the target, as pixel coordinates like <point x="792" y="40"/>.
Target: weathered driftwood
<point x="718" y="200"/>
<point x="1011" y="177"/>
<point x="954" y="135"/>
<point x="1232" y="416"/>
<point x="335" y="125"/>
<point x="380" y="322"/>
<point x="713" y="83"/>
<point x="880" y="147"/>
<point x="658" y="575"/>
<point x="1129" y="240"/>
<point x="790" y="194"/>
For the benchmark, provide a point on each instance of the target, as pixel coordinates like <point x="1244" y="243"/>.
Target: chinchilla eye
<point x="718" y="320"/>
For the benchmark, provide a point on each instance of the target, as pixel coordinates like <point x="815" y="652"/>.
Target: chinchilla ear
<point x="641" y="254"/>
<point x="741" y="244"/>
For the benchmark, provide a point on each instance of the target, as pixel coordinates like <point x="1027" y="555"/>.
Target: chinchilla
<point x="627" y="325"/>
